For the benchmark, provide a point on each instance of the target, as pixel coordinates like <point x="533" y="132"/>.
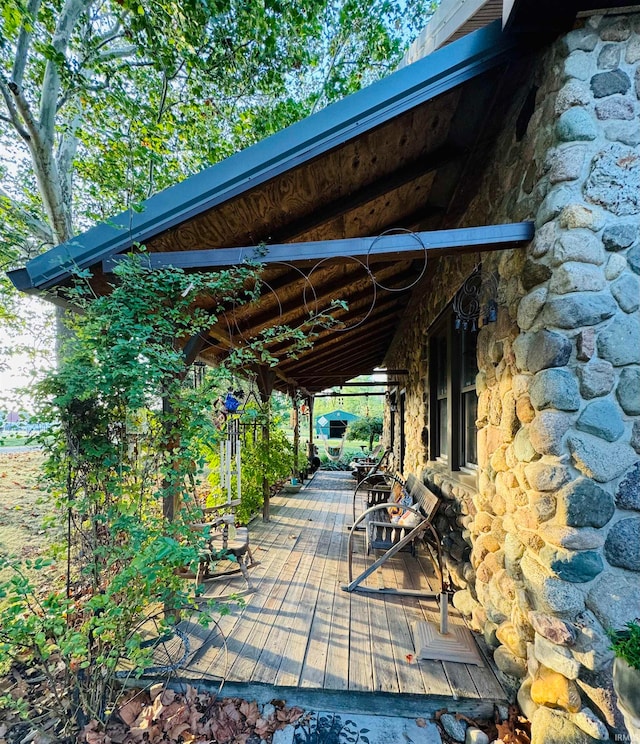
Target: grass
<point x="24" y="503"/>
<point x="14" y="440"/>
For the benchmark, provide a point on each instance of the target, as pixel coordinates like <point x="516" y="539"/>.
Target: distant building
<point x="333" y="425"/>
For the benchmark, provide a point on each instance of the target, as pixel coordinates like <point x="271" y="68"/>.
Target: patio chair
<point x="225" y="544"/>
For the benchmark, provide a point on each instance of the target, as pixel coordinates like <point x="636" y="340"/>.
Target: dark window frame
<point x="457" y="449"/>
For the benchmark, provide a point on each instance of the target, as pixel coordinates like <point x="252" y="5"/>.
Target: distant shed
<point x="334" y="424"/>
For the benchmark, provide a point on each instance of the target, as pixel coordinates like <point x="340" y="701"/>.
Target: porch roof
<point x="404" y="153"/>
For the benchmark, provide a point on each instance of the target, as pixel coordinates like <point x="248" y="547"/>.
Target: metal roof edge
<point x="20" y="279"/>
<point x="302" y="141"/>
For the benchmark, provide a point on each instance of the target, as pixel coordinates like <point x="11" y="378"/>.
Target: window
<point x="468" y="398"/>
<point x="453" y="402"/>
<point x="440" y="365"/>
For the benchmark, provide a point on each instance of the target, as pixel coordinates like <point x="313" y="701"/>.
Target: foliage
<point x="626" y="644"/>
<point x="103" y="105"/>
<point x="123" y="464"/>
<point x="367" y="427"/>
<point x="272" y="459"/>
<point x="269" y="459"/>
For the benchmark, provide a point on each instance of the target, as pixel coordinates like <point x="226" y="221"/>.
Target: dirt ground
<point x="23" y="505"/>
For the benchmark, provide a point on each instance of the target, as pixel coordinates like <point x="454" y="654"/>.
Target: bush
<point x="121" y="466"/>
<point x="626" y="644"/>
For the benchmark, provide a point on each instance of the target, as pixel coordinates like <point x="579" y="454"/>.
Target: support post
<point x="312" y="449"/>
<point x="265" y="379"/>
<point x="296" y="435"/>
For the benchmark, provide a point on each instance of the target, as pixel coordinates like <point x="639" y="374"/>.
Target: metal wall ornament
<point x="475" y="304"/>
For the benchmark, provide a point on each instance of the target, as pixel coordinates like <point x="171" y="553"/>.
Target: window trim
<point x="456" y="457"/>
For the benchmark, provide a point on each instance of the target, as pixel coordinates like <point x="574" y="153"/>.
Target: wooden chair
<point x="224" y="543"/>
<point x="376" y="478"/>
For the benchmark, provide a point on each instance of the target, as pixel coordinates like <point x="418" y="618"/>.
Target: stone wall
<point x="553" y="525"/>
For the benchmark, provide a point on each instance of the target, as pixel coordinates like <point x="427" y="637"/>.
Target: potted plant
<point x="293" y="485"/>
<point x="626" y="671"/>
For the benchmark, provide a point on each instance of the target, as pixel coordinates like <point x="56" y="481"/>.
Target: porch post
<point x="265" y="380"/>
<point x="296" y="435"/>
<point x="311" y="451"/>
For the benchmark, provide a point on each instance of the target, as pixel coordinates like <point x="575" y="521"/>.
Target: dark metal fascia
<point x="345" y="120"/>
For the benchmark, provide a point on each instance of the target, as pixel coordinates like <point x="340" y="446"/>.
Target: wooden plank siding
<point x="298" y="633"/>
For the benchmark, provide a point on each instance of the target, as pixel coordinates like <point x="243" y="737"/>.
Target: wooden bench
<point x="381" y="532"/>
<point x="384" y="535"/>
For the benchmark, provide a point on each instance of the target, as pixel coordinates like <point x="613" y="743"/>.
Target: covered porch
<point x="301" y="638"/>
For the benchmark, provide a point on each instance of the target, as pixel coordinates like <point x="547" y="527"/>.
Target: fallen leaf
<point x="232" y="712"/>
<point x="130" y="710"/>
<point x="250" y="711"/>
<point x="168" y="696"/>
<point x="409" y="658"/>
<point x="176" y="712"/>
<point x="175" y="731"/>
<point x="295" y="713"/>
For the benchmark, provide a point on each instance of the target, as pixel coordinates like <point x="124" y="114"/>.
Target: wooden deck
<point x="300" y="637"/>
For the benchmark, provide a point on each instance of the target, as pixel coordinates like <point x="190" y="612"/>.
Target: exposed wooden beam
<point x="350" y="395"/>
<point x="368" y="384"/>
<point x="291" y="310"/>
<point x="402" y="245"/>
<point x="337" y="353"/>
<point x="345" y="377"/>
<point x="379" y="315"/>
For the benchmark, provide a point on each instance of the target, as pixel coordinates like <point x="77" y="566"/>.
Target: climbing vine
<point x="123" y="467"/>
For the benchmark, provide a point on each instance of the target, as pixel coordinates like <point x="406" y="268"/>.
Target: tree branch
<point x="161" y="110"/>
<point x="19" y="111"/>
<point x="45" y="169"/>
<point x="117" y="53"/>
<point x="64" y="159"/>
<point x="69" y="16"/>
<point x="14" y="117"/>
<point x="40" y="229"/>
<point x="24" y="42"/>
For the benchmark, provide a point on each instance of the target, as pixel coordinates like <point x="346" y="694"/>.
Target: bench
<point x="384" y="535"/>
<point x="381" y="532"/>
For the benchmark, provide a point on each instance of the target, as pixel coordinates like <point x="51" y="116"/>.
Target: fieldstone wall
<point x="552" y="525"/>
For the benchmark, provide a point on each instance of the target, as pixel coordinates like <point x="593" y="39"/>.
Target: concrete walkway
<point x="335" y="728"/>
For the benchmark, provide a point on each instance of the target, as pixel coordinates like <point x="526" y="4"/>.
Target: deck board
<point x="299" y="631"/>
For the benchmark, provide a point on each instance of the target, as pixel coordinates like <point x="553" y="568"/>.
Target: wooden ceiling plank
<point x="293" y="312"/>
<point x="410" y="172"/>
<point x="325" y="353"/>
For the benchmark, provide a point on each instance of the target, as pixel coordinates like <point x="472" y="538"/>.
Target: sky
<point x="19" y="370"/>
